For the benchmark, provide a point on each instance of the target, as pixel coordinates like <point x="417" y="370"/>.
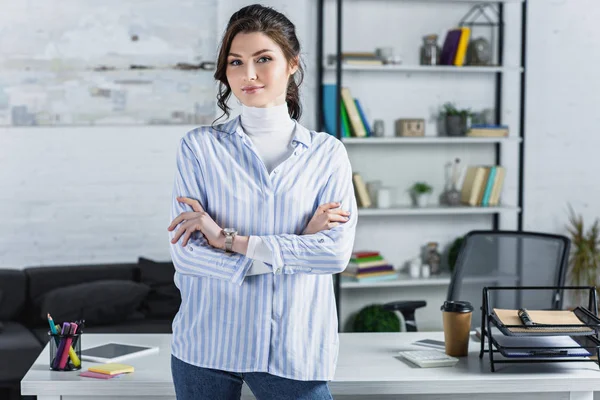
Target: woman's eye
<point x="235" y="62"/>
<point x="264" y="59"/>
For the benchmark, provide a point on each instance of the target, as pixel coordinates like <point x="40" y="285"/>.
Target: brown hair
<point x="258" y="18"/>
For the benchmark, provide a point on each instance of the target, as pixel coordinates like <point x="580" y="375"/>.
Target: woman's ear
<point x="294" y="64"/>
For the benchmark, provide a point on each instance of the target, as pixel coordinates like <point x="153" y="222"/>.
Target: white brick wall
<point x="563" y="123"/>
<point x="77" y="195"/>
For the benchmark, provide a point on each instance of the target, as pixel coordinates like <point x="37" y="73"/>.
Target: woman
<point x="254" y="259"/>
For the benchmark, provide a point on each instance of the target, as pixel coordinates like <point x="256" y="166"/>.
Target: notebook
<point x="559" y="317"/>
<point x="111" y="369"/>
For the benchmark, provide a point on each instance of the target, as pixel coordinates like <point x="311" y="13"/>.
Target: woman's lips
<point x="252" y="89"/>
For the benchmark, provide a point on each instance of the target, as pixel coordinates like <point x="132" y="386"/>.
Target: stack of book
<point x="354" y="122"/>
<point x="357" y="58"/>
<point x="488" y="130"/>
<point x="482" y="185"/>
<point x="369" y="266"/>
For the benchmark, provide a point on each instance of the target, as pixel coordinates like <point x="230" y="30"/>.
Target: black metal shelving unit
<point x="497" y="99"/>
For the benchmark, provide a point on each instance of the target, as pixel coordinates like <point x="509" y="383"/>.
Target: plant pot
<point x="421" y="200"/>
<point x="456" y="125"/>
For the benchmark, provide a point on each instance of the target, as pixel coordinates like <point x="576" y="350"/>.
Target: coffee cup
<point x="457" y="325"/>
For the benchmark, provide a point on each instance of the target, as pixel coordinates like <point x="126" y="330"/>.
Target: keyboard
<point x="429" y="358"/>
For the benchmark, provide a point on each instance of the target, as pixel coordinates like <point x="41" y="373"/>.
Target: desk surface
<point x="367" y="364"/>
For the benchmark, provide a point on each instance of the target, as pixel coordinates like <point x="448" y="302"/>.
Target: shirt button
<point x="274" y="172"/>
<point x="321" y="240"/>
<point x="278" y="270"/>
<point x="190" y="248"/>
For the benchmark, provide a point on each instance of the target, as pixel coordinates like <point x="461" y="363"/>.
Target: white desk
<point x="367" y="369"/>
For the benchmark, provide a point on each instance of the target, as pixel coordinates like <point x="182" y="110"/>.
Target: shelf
<point x="424" y="68"/>
<point x="433" y="210"/>
<point x="438" y="280"/>
<point x="430" y="140"/>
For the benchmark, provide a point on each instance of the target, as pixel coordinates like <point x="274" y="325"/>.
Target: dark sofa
<point x="112" y="298"/>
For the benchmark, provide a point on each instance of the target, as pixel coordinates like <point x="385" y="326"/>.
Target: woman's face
<point x="257" y="70"/>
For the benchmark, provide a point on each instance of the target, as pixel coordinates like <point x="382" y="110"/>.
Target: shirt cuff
<point x="258" y="250"/>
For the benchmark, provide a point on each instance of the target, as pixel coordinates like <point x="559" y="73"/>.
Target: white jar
<point x="425" y="271"/>
<point x="414" y="268"/>
<point x="384" y="197"/>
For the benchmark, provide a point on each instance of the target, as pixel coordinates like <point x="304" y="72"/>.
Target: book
<point x="329" y="108"/>
<point x="473" y="185"/>
<point x="362" y="195"/>
<point x="497" y="188"/>
<point x="381" y="278"/>
<point x="367" y="270"/>
<point x="353" y="116"/>
<point x="368" y="264"/>
<point x="488" y="187"/>
<point x="345" y="123"/>
<point x="363" y="117"/>
<point x="366" y="259"/>
<point x="363" y="254"/>
<point x="111" y="369"/>
<point x="463" y="43"/>
<point x="450" y="46"/>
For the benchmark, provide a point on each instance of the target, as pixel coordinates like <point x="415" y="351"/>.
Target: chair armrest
<point x="404" y="306"/>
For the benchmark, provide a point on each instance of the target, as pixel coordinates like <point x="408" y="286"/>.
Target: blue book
<point x="329" y="107"/>
<point x="488" y="187"/>
<point x="363" y="117"/>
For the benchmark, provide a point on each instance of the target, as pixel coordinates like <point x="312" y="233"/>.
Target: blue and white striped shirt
<point x="283" y="323"/>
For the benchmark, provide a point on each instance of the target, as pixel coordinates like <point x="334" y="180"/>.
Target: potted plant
<point x="421" y="192"/>
<point x="584" y="260"/>
<point x="455" y="120"/>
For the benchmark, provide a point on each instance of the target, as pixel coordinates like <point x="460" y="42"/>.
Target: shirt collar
<point x="301" y="134"/>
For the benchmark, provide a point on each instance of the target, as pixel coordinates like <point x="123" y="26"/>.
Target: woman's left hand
<point x="197" y="220"/>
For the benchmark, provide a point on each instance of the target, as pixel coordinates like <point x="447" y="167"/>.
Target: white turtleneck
<point x="271" y="130"/>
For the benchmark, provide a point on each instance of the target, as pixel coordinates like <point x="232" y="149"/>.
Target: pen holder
<point x="65" y="352"/>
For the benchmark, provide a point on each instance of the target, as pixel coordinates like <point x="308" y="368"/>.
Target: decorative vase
<point x="453" y="196"/>
<point x="422" y="200"/>
<point x="456" y="125"/>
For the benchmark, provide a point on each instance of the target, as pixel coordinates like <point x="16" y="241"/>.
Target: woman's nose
<point x="250" y="72"/>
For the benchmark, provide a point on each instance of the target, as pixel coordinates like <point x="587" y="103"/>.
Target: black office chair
<point x="503" y="258"/>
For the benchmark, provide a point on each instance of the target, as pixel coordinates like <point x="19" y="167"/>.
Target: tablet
<point x="116" y="352"/>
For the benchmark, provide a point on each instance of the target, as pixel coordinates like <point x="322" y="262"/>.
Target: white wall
<point x="563" y="123"/>
<point x="78" y="195"/>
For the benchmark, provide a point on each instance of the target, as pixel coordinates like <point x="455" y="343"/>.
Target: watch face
<point x="229" y="231"/>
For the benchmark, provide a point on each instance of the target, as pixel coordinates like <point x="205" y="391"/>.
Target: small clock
<point x="479" y="52"/>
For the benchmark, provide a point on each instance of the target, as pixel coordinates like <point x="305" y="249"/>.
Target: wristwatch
<point x="229" y="235"/>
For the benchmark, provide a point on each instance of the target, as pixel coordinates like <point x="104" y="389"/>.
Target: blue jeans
<point x="197" y="383"/>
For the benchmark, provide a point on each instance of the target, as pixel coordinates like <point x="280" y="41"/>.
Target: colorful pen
<point x="53" y="329"/>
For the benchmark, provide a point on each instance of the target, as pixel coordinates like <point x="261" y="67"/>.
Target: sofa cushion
<point x="44" y="279"/>
<point x="18" y="350"/>
<point x="13" y="291"/>
<point x="102" y="302"/>
<point x="164" y="298"/>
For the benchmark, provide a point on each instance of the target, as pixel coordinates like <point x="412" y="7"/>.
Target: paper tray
<point x="579" y="322"/>
<point x="555" y="347"/>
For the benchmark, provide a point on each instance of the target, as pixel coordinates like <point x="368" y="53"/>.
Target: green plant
<point x="374" y="318"/>
<point x="450" y="109"/>
<point x="421" y="188"/>
<point x="584" y="260"/>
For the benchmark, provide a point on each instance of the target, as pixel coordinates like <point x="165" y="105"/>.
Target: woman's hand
<point x="327" y="216"/>
<point x="197" y="220"/>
